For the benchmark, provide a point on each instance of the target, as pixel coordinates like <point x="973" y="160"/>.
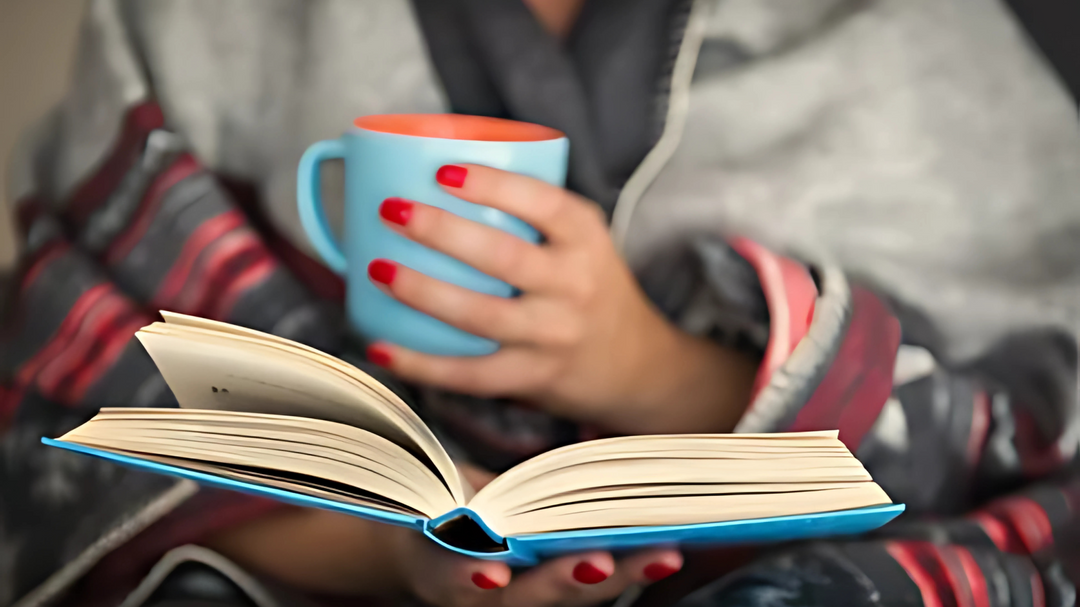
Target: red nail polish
<point x="587" y="573"/>
<point x="396" y="210"/>
<point x="451" y="176"/>
<point x="483" y="581"/>
<point x="379" y="356"/>
<point x="382" y="271"/>
<point x="659" y="571"/>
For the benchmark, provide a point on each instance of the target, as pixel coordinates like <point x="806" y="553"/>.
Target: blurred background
<point x="37" y="40"/>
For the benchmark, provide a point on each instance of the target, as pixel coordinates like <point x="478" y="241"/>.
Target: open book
<point x="269" y="416"/>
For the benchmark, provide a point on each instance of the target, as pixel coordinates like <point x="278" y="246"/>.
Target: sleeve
<point x="118" y="220"/>
<point x="942" y="438"/>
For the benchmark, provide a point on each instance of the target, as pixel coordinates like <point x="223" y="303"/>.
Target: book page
<point x="280" y="447"/>
<point x="687" y="510"/>
<point x="675" y="480"/>
<point x="241" y="370"/>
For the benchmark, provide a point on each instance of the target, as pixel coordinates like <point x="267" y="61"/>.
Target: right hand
<point x="337" y="554"/>
<point x="446" y="579"/>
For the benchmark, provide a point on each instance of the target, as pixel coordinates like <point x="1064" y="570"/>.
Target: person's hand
<point x="582" y="340"/>
<point x="338" y="554"/>
<point x="446" y="579"/>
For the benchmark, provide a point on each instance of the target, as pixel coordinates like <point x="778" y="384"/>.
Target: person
<point x="777" y="218"/>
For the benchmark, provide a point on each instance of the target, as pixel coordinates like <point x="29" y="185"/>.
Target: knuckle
<point x="582" y="290"/>
<point x="565" y="334"/>
<point x="546" y="373"/>
<point x="510" y="255"/>
<point x="555" y="208"/>
<point x="470" y="378"/>
<point x="497" y="315"/>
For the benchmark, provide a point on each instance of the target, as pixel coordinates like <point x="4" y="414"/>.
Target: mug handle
<point x="309" y="201"/>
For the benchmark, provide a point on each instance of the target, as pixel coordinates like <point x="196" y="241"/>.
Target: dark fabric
<point x="1052" y="25"/>
<point x="1006" y="554"/>
<point x="604" y="88"/>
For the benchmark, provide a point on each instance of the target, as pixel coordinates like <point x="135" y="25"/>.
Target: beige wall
<point x="36" y="48"/>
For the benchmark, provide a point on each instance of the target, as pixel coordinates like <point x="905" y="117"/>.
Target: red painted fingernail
<point x="451" y="176"/>
<point x="484" y="581"/>
<point x="382" y="271"/>
<point x="396" y="210"/>
<point x="379" y="356"/>
<point x="587" y="573"/>
<point x="659" y="571"/>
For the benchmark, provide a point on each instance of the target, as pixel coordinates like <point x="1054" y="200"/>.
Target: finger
<point x="494" y="252"/>
<point x="646" y="567"/>
<point x="508" y="372"/>
<point x="587" y="579"/>
<point x="558" y="214"/>
<point x="503" y="319"/>
<point x="484" y="575"/>
<point x="439" y="576"/>
<point x="567" y="580"/>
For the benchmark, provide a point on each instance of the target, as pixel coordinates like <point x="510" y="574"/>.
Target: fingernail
<point x="451" y="176"/>
<point x="658" y="571"/>
<point x="380" y="356"/>
<point x="587" y="573"/>
<point x="382" y="271"/>
<point x="484" y="581"/>
<point x="396" y="210"/>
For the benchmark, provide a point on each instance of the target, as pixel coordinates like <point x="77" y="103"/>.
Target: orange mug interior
<point x="457" y="126"/>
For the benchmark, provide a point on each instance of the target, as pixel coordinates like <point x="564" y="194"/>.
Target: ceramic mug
<point x="397" y="155"/>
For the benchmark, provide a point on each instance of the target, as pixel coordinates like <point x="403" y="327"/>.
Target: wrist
<point x="687" y="384"/>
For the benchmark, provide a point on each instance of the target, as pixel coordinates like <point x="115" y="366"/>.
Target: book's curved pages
<point x="267" y="416"/>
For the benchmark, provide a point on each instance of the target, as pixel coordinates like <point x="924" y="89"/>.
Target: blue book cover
<point x="532" y="548"/>
<point x="269" y="417"/>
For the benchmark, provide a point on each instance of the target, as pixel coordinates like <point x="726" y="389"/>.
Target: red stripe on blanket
<point x="1028" y="519"/>
<point x="86" y="345"/>
<point x="980" y="428"/>
<point x="139" y="122"/>
<point x="10" y="397"/>
<point x="1038" y="593"/>
<point x="313" y="274"/>
<point x="858" y="383"/>
<point x="790" y="294"/>
<point x="904" y="556"/>
<point x="247" y="279"/>
<point x="181" y="168"/>
<point x="108" y="349"/>
<point x="28" y="371"/>
<point x="954" y="574"/>
<point x="980" y="593"/>
<point x="1038" y="456"/>
<point x="204" y="236"/>
<point x="1001" y="534"/>
<point x="96" y="324"/>
<point x="221" y="263"/>
<point x="41" y="260"/>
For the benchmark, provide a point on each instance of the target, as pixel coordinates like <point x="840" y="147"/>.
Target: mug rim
<point x="460" y="127"/>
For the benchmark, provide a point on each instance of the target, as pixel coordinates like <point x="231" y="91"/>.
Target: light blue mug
<point x="397" y="155"/>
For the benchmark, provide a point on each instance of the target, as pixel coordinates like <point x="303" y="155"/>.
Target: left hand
<point x="582" y="340"/>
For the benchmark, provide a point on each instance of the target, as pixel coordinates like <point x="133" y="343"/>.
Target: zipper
<point x="678" y="105"/>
